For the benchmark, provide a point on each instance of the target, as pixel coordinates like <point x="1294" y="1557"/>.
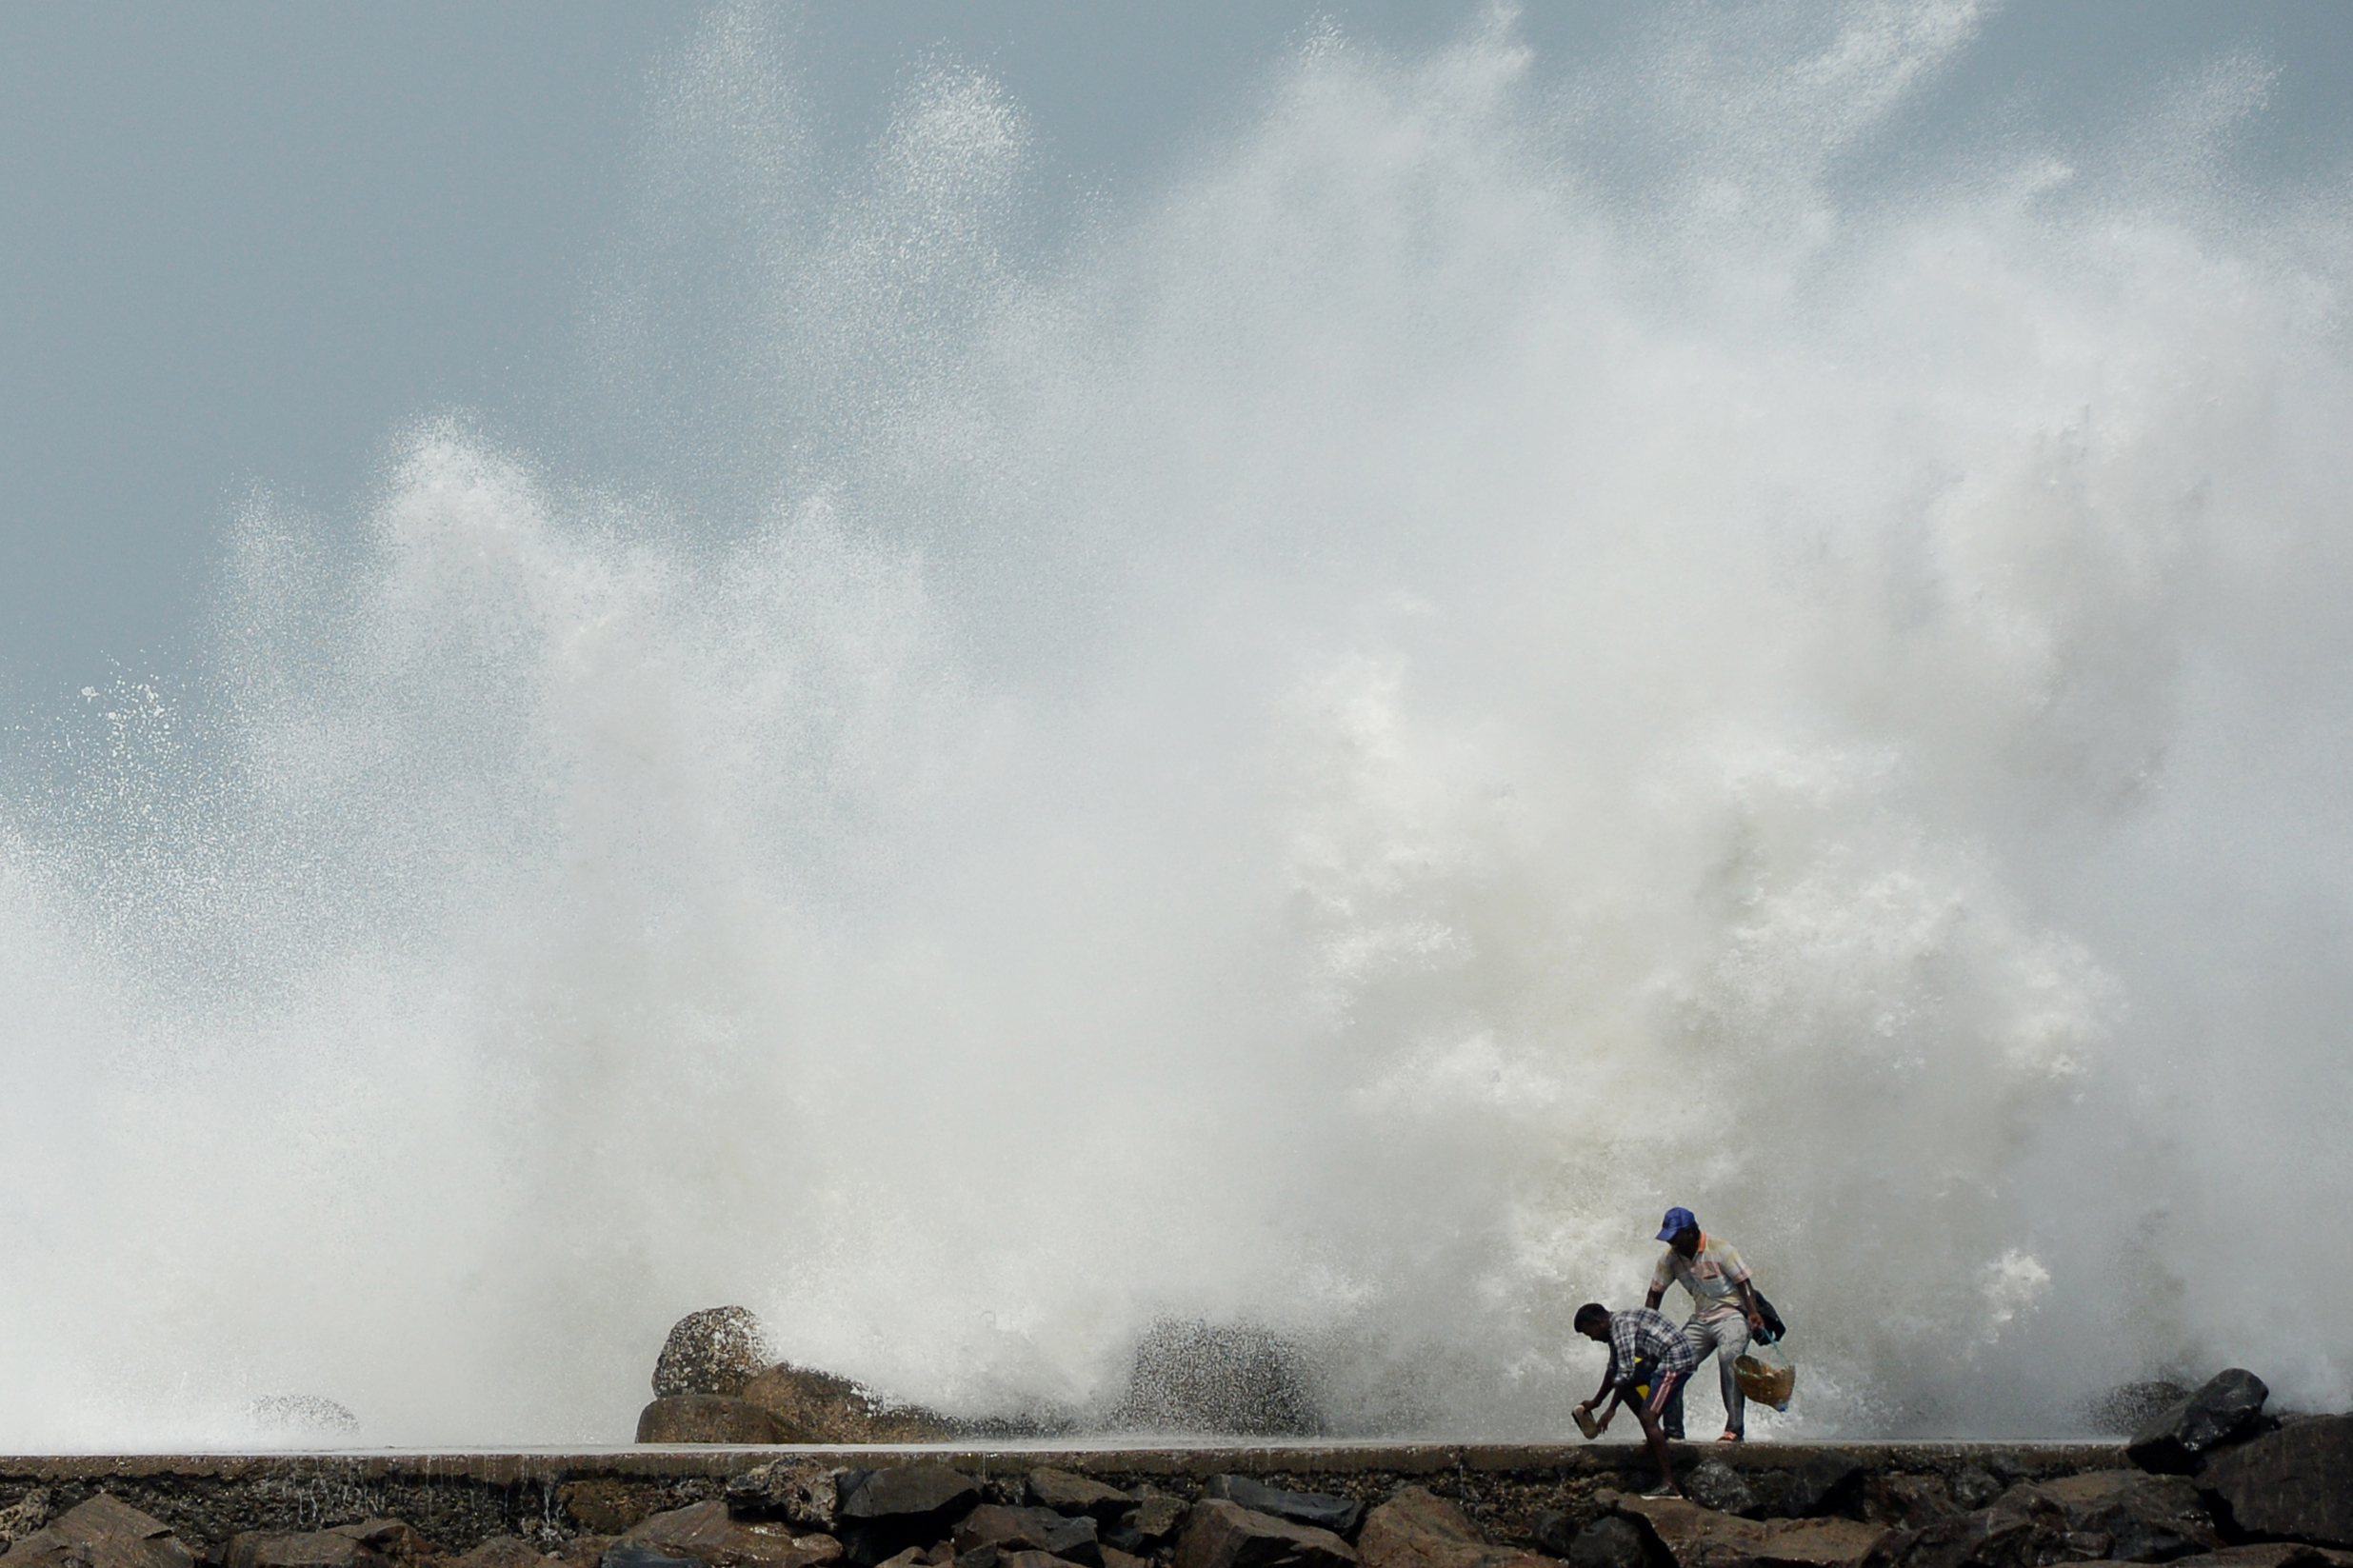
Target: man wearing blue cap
<point x="1724" y="1311"/>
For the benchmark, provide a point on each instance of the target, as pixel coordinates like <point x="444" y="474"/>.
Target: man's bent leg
<point x="1670" y="1414"/>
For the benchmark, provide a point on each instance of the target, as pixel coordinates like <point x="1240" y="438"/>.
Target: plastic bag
<point x="1767" y="1374"/>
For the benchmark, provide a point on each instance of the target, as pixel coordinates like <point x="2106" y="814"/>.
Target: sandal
<point x="1731" y="1436"/>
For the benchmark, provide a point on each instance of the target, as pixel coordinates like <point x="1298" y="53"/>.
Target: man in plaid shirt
<point x="1649" y="1360"/>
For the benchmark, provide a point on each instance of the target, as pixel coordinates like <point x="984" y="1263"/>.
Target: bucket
<point x="1767" y="1375"/>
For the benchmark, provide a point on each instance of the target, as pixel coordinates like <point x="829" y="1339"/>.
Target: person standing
<point x="1649" y="1362"/>
<point x="1723" y="1312"/>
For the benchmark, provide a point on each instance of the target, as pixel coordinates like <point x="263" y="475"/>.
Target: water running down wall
<point x="1315" y="751"/>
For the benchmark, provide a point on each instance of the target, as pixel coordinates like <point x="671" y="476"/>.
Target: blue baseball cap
<point x="1677" y="1220"/>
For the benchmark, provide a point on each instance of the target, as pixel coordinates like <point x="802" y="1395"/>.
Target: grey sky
<point x="242" y="244"/>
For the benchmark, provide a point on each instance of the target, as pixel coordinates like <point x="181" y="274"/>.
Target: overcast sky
<point x="242" y="244"/>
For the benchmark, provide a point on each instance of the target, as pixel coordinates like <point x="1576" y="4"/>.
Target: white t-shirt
<point x="1713" y="1276"/>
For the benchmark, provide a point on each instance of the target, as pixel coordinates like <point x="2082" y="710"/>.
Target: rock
<point x="905" y="1492"/>
<point x="1226" y="1535"/>
<point x="2145" y="1518"/>
<point x="606" y="1505"/>
<point x="371" y="1543"/>
<point x="1693" y="1536"/>
<point x="2269" y="1553"/>
<point x="1235" y="1378"/>
<point x="884" y="1512"/>
<point x="1608" y="1543"/>
<point x="1823" y="1483"/>
<point x="1974" y="1488"/>
<point x="1113" y="1558"/>
<point x="2297" y="1481"/>
<point x="706" y="1533"/>
<point x="794" y="1491"/>
<point x="1068" y="1537"/>
<point x="813" y="1407"/>
<point x="1068" y="1494"/>
<point x="2023" y="1527"/>
<point x="1907" y="1502"/>
<point x="501" y="1552"/>
<point x="996" y="1556"/>
<point x="102" y="1533"/>
<point x="1150" y="1524"/>
<point x="1552" y="1531"/>
<point x="1418" y="1529"/>
<point x="1714" y="1484"/>
<point x="2224" y="1408"/>
<point x="708" y="1418"/>
<point x="634" y="1553"/>
<point x="583" y="1551"/>
<point x="1323" y="1511"/>
<point x="715" y="1351"/>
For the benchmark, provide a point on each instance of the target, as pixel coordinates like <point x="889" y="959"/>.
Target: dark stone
<point x="2226" y="1407"/>
<point x="1226" y="1535"/>
<point x="1973" y="1488"/>
<point x="715" y="1351"/>
<point x="1068" y="1494"/>
<point x="1233" y="1377"/>
<point x="2145" y="1517"/>
<point x="794" y="1491"/>
<point x="1418" y="1529"/>
<point x="1552" y="1531"/>
<point x="1714" y="1484"/>
<point x="1907" y="1502"/>
<point x="1065" y="1535"/>
<point x="905" y="1492"/>
<point x="1150" y="1524"/>
<point x="884" y="1512"/>
<point x="2270" y="1554"/>
<point x="501" y="1552"/>
<point x="1691" y="1536"/>
<point x="707" y="1417"/>
<point x="1608" y="1543"/>
<point x="630" y="1554"/>
<point x="705" y="1532"/>
<point x="374" y="1543"/>
<point x="1338" y="1514"/>
<point x="1823" y="1483"/>
<point x="102" y="1533"/>
<point x="2296" y="1482"/>
<point x="818" y="1407"/>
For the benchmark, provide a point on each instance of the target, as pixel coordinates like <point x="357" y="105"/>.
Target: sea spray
<point x="1507" y="651"/>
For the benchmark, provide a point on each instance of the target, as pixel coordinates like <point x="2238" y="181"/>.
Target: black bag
<point x="1774" y="1328"/>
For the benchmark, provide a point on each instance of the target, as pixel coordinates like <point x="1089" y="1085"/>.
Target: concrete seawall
<point x="461" y="1499"/>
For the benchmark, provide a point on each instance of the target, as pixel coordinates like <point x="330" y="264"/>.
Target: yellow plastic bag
<point x="1767" y="1374"/>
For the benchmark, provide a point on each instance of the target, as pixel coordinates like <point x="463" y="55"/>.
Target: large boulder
<point x="501" y="1552"/>
<point x="102" y="1533"/>
<point x="2296" y="1482"/>
<point x="2269" y="1553"/>
<point x="791" y="1491"/>
<point x="1416" y="1528"/>
<point x="813" y="1407"/>
<point x="1235" y="1378"/>
<point x="715" y="1351"/>
<point x="1065" y="1492"/>
<point x="1906" y="1502"/>
<point x="705" y="1532"/>
<point x="1822" y="1482"/>
<point x="1608" y="1543"/>
<point x="2146" y="1518"/>
<point x="1226" y="1535"/>
<point x="1716" y="1484"/>
<point x="1320" y="1509"/>
<point x="1070" y="1536"/>
<point x="884" y="1512"/>
<point x="371" y="1543"/>
<point x="1692" y="1537"/>
<point x="708" y="1418"/>
<point x="2021" y="1527"/>
<point x="1150" y="1524"/>
<point x="2227" y="1406"/>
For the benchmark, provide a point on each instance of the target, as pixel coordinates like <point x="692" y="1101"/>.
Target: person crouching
<point x="1649" y="1360"/>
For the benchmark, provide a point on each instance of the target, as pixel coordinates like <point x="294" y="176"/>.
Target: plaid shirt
<point x="1639" y="1337"/>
